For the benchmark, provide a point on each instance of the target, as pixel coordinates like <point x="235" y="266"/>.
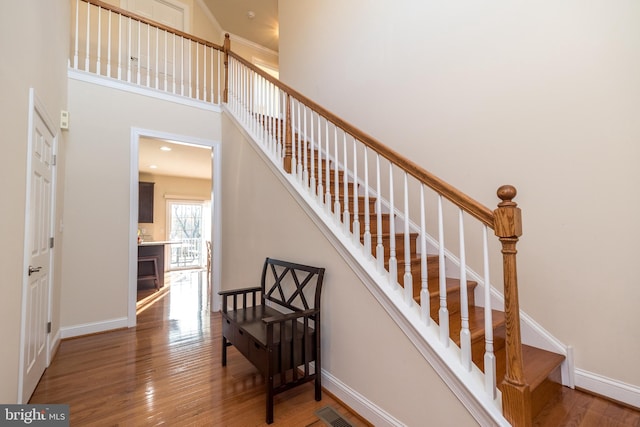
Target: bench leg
<point x="318" y="385"/>
<point x="224" y="351"/>
<point x="269" y="400"/>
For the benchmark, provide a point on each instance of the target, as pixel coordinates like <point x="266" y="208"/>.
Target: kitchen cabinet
<point x="145" y="202"/>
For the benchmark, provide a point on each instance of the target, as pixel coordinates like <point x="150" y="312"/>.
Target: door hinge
<point x="51" y="242"/>
<point x="48" y="327"/>
<point x="55" y="159"/>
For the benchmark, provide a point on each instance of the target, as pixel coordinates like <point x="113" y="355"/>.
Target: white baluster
<point x="305" y="167"/>
<point x="327" y="194"/>
<point x="157" y="68"/>
<point x="312" y="175"/>
<point x="166" y="42"/>
<point x="443" y="313"/>
<point x="197" y="71"/>
<point x="425" y="300"/>
<point x="86" y="59"/>
<point x="320" y="189"/>
<point x="148" y="56"/>
<point x="212" y="74"/>
<point x="465" y="334"/>
<point x="138" y="79"/>
<point x="129" y="60"/>
<point x="274" y="117"/>
<point x="219" y="77"/>
<point x="379" y="246"/>
<point x="271" y="115"/>
<point x="300" y="145"/>
<point x="204" y="73"/>
<point x="173" y="63"/>
<point x="182" y="79"/>
<point x="408" y="277"/>
<point x="367" y="214"/>
<point x="336" y="176"/>
<point x="119" y="47"/>
<point x="489" y="356"/>
<point x="281" y="122"/>
<point x="109" y="45"/>
<point x="189" y="72"/>
<point x="77" y="36"/>
<point x="99" y="46"/>
<point x="393" y="260"/>
<point x="356" y="216"/>
<point x="346" y="215"/>
<point x="294" y="158"/>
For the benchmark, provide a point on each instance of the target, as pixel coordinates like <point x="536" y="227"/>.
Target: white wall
<point x="544" y="96"/>
<point x="97" y="208"/>
<point x="361" y="344"/>
<point x="35" y="39"/>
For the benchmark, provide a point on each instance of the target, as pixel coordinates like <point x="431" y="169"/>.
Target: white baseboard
<point x="607" y="387"/>
<point x="92" y="328"/>
<point x="360" y="404"/>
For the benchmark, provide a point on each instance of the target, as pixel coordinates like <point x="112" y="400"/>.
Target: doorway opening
<point x="186" y="221"/>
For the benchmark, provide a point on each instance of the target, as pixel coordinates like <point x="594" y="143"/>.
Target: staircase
<point x="529" y="379"/>
<point x="541" y="368"/>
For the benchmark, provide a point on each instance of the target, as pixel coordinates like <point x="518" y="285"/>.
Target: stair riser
<point x="453" y="303"/>
<point x="399" y="241"/>
<point x="546" y="391"/>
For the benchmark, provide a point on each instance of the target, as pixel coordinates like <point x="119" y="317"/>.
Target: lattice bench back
<point x="295" y="287"/>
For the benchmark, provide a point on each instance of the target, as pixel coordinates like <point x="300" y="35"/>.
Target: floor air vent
<point x="331" y="417"/>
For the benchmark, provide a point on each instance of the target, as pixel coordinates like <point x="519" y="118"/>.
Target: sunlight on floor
<point x="187" y="291"/>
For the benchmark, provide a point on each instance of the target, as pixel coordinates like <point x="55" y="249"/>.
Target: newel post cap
<point x="508" y="217"/>
<point x="227" y="42"/>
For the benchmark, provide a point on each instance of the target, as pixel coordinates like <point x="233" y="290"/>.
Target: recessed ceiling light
<point x="251" y="14"/>
<point x="153" y="166"/>
<point x="165" y="148"/>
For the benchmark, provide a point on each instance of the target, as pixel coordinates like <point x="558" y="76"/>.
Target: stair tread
<point x="538" y="364"/>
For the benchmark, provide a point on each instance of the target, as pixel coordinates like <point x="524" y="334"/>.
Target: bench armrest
<point x="290" y="316"/>
<point x="234" y="293"/>
<point x="239" y="291"/>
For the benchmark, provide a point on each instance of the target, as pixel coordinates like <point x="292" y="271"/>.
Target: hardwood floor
<point x="167" y="370"/>
<point x="578" y="409"/>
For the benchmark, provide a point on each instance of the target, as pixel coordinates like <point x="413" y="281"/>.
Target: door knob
<point x="34" y="270"/>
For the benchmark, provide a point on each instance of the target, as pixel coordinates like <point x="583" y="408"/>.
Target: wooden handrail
<point x="155" y="24"/>
<point x="457" y="197"/>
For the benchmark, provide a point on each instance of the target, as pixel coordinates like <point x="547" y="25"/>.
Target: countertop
<point x="159" y="242"/>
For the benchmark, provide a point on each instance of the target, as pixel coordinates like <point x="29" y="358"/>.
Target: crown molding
<point x="237" y="39"/>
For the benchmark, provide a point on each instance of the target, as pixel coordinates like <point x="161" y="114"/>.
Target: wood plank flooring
<point x="167" y="370"/>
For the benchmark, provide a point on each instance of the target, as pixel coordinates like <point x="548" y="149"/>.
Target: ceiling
<point x="183" y="160"/>
<point x="233" y="16"/>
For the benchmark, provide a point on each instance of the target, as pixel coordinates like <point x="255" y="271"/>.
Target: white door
<point x="154" y="62"/>
<point x="171" y="13"/>
<point x="38" y="256"/>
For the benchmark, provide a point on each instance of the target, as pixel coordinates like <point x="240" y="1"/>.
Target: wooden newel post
<point x="516" y="393"/>
<point x="227" y="47"/>
<point x="288" y="137"/>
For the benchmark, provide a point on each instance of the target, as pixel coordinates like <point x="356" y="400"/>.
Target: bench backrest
<point x="293" y="286"/>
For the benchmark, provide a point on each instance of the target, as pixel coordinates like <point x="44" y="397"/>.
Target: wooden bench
<point x="279" y="332"/>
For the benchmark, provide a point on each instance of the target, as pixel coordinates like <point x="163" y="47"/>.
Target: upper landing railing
<point x="372" y="192"/>
<point x="112" y="42"/>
